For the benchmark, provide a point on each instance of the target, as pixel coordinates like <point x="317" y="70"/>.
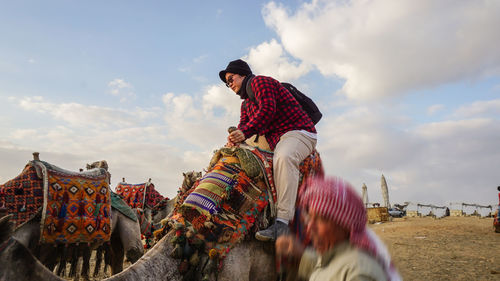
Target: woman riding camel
<point x="290" y="132"/>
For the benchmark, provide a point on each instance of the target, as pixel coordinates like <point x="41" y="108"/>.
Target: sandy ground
<point x="451" y="248"/>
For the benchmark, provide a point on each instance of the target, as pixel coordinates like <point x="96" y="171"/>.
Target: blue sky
<point x="409" y="89"/>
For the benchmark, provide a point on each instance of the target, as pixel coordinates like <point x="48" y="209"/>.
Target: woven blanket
<point x="23" y="195"/>
<point x="77" y="206"/>
<point x="225" y="204"/>
<point x="139" y="195"/>
<point x="122" y="207"/>
<point x="145" y="224"/>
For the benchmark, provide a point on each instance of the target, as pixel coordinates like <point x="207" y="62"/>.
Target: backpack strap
<point x="248" y="89"/>
<point x="251" y="96"/>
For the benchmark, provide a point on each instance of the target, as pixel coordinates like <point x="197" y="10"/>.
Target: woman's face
<point x="234" y="81"/>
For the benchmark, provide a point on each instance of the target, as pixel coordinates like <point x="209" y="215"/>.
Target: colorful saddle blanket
<point x="23" y="195"/>
<point x="122" y="207"/>
<point x="139" y="195"/>
<point x="225" y="204"/>
<point x="77" y="206"/>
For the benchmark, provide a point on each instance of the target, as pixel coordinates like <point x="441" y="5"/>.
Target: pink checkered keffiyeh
<point x="335" y="199"/>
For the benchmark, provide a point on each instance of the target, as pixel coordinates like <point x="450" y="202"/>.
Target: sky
<point x="408" y="89"/>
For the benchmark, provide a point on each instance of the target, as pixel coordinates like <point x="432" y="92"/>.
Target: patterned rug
<point x="77" y="206"/>
<point x="23" y="195"/>
<point x="120" y="205"/>
<point x="139" y="195"/>
<point x="222" y="208"/>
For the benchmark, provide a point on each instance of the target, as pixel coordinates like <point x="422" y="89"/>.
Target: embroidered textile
<point x="139" y="195"/>
<point x="226" y="198"/>
<point x="120" y="205"/>
<point x="23" y="195"/>
<point x="224" y="205"/>
<point x="77" y="206"/>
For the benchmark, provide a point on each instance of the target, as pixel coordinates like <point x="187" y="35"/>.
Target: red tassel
<point x="65" y="197"/>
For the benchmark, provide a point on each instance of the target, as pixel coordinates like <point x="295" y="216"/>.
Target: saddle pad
<point x="224" y="206"/>
<point x="77" y="206"/>
<point x="153" y="197"/>
<point x="23" y="195"/>
<point x="226" y="198"/>
<point x="139" y="195"/>
<point x="122" y="207"/>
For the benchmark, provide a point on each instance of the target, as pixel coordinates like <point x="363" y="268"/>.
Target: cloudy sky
<point x="409" y="89"/>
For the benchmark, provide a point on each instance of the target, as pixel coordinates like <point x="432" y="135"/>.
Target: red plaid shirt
<point x="274" y="112"/>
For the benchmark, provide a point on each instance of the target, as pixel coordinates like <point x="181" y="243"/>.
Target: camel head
<point x="189" y="179"/>
<point x="98" y="164"/>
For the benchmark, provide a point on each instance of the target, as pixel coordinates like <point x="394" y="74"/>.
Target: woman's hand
<point x="236" y="136"/>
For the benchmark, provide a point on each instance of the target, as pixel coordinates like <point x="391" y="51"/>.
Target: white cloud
<point x="480" y="108"/>
<point x="80" y="115"/>
<point x="270" y="59"/>
<point x="433" y="109"/>
<point x="437" y="162"/>
<point x="383" y="48"/>
<point x="202" y="121"/>
<point x="122" y="89"/>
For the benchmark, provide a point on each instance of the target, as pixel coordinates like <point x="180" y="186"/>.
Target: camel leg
<point x="117" y="254"/>
<point x="107" y="257"/>
<point x="98" y="259"/>
<point x="74" y="261"/>
<point x="86" y="263"/>
<point x="63" y="251"/>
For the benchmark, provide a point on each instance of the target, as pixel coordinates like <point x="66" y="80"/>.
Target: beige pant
<point x="291" y="150"/>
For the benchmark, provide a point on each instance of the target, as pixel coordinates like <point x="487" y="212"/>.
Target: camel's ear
<point x="183" y="174"/>
<point x="6" y="227"/>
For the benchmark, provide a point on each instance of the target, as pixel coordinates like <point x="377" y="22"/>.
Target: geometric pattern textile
<point x="223" y="206"/>
<point x="77" y="206"/>
<point x="139" y="195"/>
<point x="117" y="203"/>
<point x="23" y="195"/>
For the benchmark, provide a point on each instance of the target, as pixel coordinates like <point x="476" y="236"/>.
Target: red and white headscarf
<point x="336" y="199"/>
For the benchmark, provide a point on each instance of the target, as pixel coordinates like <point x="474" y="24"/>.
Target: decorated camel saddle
<point x="142" y="195"/>
<point x="75" y="206"/>
<point x="234" y="198"/>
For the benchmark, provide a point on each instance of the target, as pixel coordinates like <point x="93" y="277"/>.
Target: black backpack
<point x="307" y="104"/>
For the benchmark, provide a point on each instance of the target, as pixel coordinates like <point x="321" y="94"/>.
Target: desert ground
<point x="450" y="248"/>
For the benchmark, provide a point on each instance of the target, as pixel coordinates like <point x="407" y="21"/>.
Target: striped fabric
<point x="336" y="199"/>
<point x="212" y="189"/>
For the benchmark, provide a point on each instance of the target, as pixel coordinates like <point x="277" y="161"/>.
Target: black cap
<point x="237" y="67"/>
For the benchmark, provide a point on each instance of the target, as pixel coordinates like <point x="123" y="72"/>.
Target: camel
<point x="248" y="260"/>
<point x="163" y="209"/>
<point x="18" y="263"/>
<point x="125" y="242"/>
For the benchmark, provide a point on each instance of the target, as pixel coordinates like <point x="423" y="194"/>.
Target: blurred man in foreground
<point x="344" y="248"/>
